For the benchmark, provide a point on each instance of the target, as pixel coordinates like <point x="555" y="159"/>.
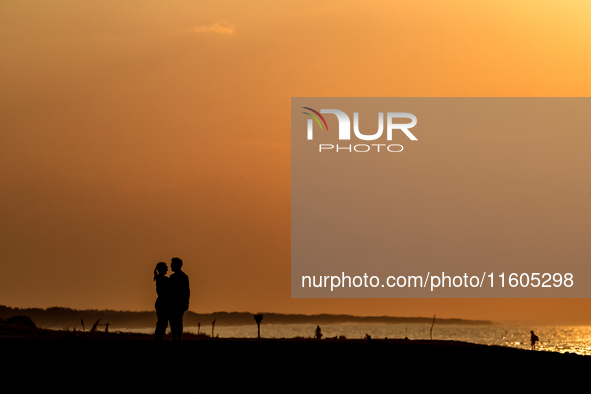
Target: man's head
<point x="176" y="264"/>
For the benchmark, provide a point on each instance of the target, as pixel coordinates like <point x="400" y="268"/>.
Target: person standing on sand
<point x="163" y="301"/>
<point x="180" y="294"/>
<point x="318" y="333"/>
<point x="534" y="338"/>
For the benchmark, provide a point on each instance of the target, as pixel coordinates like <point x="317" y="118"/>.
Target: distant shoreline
<point x="71" y="318"/>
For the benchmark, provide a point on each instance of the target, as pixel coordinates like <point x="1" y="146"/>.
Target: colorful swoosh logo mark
<point x="315" y="118"/>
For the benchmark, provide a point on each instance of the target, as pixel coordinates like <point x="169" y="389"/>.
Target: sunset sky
<point x="132" y="132"/>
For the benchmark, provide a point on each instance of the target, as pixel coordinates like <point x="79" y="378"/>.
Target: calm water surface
<point x="574" y="339"/>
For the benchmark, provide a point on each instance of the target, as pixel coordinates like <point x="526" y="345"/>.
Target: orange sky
<point x="136" y="131"/>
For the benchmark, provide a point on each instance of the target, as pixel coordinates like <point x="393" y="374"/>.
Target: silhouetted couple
<point x="173" y="299"/>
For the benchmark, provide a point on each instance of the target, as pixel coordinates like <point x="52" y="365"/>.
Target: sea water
<point x="556" y="338"/>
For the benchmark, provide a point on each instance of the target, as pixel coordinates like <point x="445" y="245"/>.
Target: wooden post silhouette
<point x="258" y="319"/>
<point x="212" y="326"/>
<point x="95" y="325"/>
<point x="431" y="332"/>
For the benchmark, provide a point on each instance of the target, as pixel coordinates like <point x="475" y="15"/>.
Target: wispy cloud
<point x="220" y="27"/>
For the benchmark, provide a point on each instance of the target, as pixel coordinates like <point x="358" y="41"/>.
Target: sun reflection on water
<point x="555" y="338"/>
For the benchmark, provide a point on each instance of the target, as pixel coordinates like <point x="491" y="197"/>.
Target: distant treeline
<point x="57" y="317"/>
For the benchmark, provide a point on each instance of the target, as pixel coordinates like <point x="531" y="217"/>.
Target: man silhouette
<point x="180" y="293"/>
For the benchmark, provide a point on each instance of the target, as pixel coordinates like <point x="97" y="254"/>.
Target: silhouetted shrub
<point x="20" y="322"/>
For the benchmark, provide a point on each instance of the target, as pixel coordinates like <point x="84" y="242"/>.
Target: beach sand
<point x="123" y="362"/>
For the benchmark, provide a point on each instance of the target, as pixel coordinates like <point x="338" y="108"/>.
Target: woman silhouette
<point x="163" y="300"/>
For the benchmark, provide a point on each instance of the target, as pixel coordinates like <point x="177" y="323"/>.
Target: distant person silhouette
<point x="163" y="300"/>
<point x="180" y="294"/>
<point x="534" y="339"/>
<point x="318" y="333"/>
